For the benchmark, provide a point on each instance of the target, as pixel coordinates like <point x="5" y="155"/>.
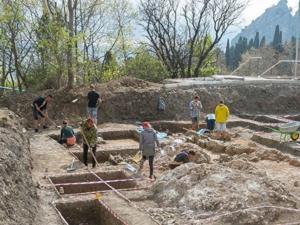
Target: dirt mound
<point x="133" y="99"/>
<point x="18" y="196"/>
<point x="206" y="190"/>
<point x="127" y="82"/>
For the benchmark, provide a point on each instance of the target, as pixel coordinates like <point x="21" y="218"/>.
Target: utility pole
<point x="297" y="42"/>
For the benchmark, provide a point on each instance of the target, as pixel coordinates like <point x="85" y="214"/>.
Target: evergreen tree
<point x="251" y="43"/>
<point x="262" y="42"/>
<point x="232" y="57"/>
<point x="256" y="40"/>
<point x="227" y="54"/>
<point x="277" y="40"/>
<point x="280" y="37"/>
<point x="293" y="42"/>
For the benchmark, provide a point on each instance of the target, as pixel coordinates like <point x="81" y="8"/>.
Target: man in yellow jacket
<point x="222" y="115"/>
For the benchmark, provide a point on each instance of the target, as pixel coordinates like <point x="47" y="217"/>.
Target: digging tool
<point x="51" y="121"/>
<point x="75" y="100"/>
<point x="94" y="157"/>
<point x="71" y="168"/>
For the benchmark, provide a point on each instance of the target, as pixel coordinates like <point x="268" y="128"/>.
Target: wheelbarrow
<point x="288" y="130"/>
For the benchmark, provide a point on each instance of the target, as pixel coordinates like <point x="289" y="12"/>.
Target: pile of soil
<point x="18" y="198"/>
<point x="226" y="193"/>
<point x="131" y="99"/>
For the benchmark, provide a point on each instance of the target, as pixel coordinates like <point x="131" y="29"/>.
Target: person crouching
<point x="148" y="139"/>
<point x="67" y="135"/>
<point x="183" y="157"/>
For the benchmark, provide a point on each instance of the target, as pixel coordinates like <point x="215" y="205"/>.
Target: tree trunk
<point x="71" y="75"/>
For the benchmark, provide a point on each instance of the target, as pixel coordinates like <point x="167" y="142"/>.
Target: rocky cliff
<point x="279" y="14"/>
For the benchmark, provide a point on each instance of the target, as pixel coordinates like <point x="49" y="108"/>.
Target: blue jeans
<point x="93" y="113"/>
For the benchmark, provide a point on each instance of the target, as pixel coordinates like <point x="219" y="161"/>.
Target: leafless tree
<point x="184" y="34"/>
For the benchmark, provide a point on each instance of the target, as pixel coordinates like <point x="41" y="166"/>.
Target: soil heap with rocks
<point x="18" y="198"/>
<point x="235" y="192"/>
<point x="131" y="99"/>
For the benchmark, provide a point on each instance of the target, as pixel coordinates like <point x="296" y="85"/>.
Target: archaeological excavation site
<point x="248" y="175"/>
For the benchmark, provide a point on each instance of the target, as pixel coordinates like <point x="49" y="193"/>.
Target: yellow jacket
<point x="221" y="113"/>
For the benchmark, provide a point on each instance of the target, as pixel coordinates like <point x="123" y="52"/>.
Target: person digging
<point x="148" y="139"/>
<point x="39" y="111"/>
<point x="67" y="135"/>
<point x="89" y="136"/>
<point x="183" y="157"/>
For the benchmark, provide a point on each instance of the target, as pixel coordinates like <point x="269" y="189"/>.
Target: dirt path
<point x="48" y="156"/>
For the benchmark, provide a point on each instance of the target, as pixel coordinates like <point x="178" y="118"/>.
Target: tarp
<point x="160" y="135"/>
<point x="203" y="131"/>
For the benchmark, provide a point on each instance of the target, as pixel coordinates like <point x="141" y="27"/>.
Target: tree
<point x="17" y="38"/>
<point x="72" y="4"/>
<point x="145" y="65"/>
<point x="277" y="40"/>
<point x="227" y="54"/>
<point x="256" y="40"/>
<point x="251" y="43"/>
<point x="262" y="42"/>
<point x="175" y="31"/>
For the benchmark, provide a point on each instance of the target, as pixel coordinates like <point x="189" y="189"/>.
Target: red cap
<point x="146" y="125"/>
<point x="89" y="119"/>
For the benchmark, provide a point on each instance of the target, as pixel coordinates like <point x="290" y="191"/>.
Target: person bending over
<point x="39" y="111"/>
<point x="183" y="157"/>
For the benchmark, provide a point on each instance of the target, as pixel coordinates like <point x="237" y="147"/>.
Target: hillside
<point x="279" y="14"/>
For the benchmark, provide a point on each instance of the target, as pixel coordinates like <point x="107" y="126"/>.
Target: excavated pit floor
<point x="118" y="139"/>
<point x="91" y="212"/>
<point x="88" y="182"/>
<point x="122" y="147"/>
<point x="272" y="140"/>
<point x="115" y="142"/>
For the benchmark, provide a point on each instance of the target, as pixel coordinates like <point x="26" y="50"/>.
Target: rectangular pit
<point x="90" y="212"/>
<point x="119" y="134"/>
<point x="171" y="127"/>
<point x="128" y="145"/>
<point x="87" y="182"/>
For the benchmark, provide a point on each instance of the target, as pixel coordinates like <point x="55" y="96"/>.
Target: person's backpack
<point x="161" y="105"/>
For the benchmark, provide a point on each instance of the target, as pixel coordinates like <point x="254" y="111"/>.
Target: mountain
<point x="279" y="14"/>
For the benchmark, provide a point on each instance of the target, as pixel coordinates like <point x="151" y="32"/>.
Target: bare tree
<point x="72" y="4"/>
<point x="183" y="35"/>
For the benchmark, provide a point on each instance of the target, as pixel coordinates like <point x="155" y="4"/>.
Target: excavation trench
<point x="103" y="155"/>
<point x="123" y="144"/>
<point x="260" y="118"/>
<point x="91" y="212"/>
<point x="88" y="182"/>
<point x="119" y="134"/>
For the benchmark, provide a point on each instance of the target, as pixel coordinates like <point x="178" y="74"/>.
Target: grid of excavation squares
<point x="89" y="183"/>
